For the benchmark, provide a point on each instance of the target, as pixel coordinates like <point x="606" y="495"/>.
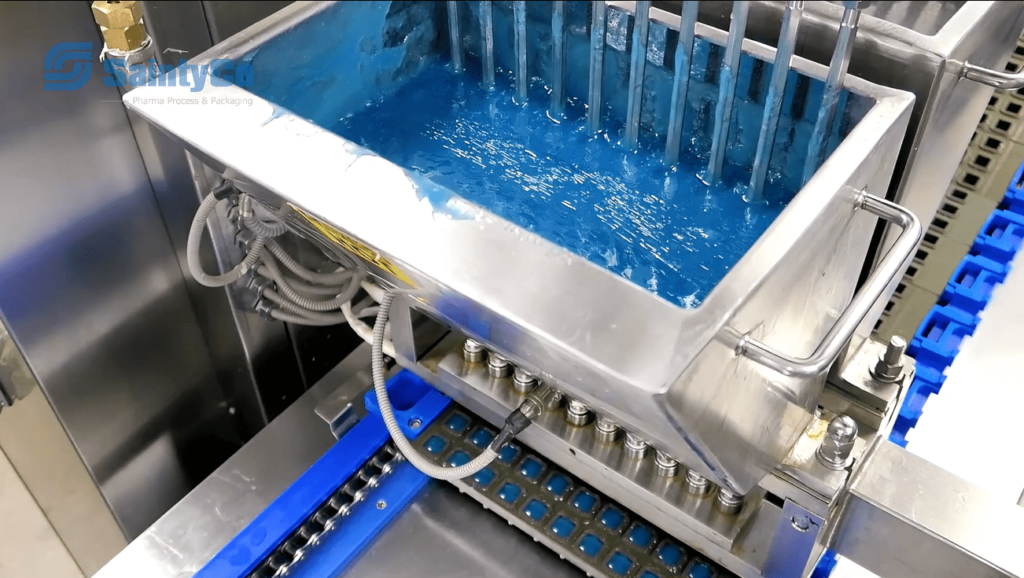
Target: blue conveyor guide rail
<point x="957" y="313"/>
<point x="333" y="511"/>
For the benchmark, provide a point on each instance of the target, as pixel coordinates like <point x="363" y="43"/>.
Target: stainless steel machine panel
<point x="670" y="374"/>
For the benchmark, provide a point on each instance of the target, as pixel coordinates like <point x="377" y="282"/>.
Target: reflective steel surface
<point x="904" y="516"/>
<point x="186" y="537"/>
<point x="91" y="291"/>
<point x="442" y="533"/>
<point x="576" y="338"/>
<point x="446" y="533"/>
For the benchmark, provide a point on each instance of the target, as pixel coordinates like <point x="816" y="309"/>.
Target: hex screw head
<point x="889" y="366"/>
<point x="836" y="450"/>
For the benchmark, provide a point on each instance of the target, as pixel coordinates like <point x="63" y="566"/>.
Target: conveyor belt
<point x="557" y="509"/>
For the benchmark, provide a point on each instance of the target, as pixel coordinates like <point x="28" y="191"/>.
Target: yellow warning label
<point x="355" y="247"/>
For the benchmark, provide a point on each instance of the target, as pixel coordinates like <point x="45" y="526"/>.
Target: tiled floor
<point x="31" y="549"/>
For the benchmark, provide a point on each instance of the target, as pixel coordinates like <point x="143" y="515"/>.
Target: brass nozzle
<point x="121" y="24"/>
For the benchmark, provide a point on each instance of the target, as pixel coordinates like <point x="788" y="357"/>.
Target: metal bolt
<point x="415" y="423"/>
<point x="245" y="206"/>
<point x="636" y="447"/>
<point x="522" y="381"/>
<point x="801" y="523"/>
<point x="890" y="362"/>
<point x="835" y="451"/>
<point x="473" y="352"/>
<point x="607" y="430"/>
<point x="667" y="466"/>
<point x="381" y="504"/>
<point x="729" y="502"/>
<point x="498" y="366"/>
<point x="263" y="309"/>
<point x="244" y="238"/>
<point x="577" y="413"/>
<point x="697" y="484"/>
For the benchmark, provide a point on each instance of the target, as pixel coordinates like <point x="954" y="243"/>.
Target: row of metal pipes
<point x="683" y="58"/>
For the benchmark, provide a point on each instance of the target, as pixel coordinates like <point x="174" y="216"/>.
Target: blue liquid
<point x="658" y="226"/>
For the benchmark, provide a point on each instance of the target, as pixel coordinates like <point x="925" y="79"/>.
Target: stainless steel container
<point x="726" y="388"/>
<point x="920" y="47"/>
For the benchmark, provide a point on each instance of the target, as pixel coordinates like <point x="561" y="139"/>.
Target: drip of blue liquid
<point x="660" y="227"/>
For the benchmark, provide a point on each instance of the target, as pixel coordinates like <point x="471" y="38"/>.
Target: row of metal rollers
<point x="607" y="431"/>
<point x="684" y="54"/>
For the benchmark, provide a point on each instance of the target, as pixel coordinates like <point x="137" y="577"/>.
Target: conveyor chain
<point x="339" y="505"/>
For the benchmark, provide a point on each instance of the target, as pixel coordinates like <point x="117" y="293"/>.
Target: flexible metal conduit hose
<point x="311" y="316"/>
<point x="295" y="297"/>
<point x="264" y="229"/>
<point x="302" y="287"/>
<point x="195" y="237"/>
<point x="301" y="319"/>
<point x="267" y="226"/>
<point x="415" y="458"/>
<point x="336" y="278"/>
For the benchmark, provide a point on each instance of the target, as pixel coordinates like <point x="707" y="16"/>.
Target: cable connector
<point x="543" y="398"/>
<point x="540" y="399"/>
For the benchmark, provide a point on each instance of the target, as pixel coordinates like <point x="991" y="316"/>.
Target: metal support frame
<point x="901" y="515"/>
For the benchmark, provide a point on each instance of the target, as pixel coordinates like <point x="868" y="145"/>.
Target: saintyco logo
<point x="68" y="66"/>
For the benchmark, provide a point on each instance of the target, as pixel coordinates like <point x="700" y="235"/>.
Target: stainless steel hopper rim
<point x="457" y="256"/>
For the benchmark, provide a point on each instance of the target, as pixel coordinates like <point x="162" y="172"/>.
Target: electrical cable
<point x="401" y="442"/>
<point x="195" y="237"/>
<point x="313" y="304"/>
<point x="516" y="422"/>
<point x="266" y="224"/>
<point x="299" y="319"/>
<point x="301" y="286"/>
<point x="303" y="273"/>
<point x="263" y="228"/>
<point x="364" y="331"/>
<point x="318" y="317"/>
